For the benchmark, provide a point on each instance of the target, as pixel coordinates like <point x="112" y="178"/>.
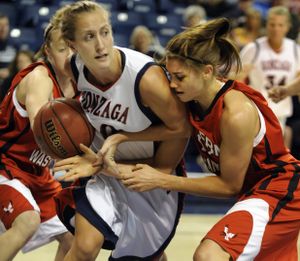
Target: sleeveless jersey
<point x="272" y="69"/>
<point x="17" y="145"/>
<point x="118" y="107"/>
<point x="269" y="156"/>
<point x="109" y="206"/>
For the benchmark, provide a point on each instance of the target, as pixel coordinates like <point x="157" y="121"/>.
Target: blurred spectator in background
<point x="272" y="61"/>
<point x="216" y="8"/>
<point x="22" y="59"/>
<point x="7" y="51"/>
<point x="250" y="31"/>
<point x="237" y="14"/>
<point x="142" y="40"/>
<point x="194" y="15"/>
<point x="295" y="22"/>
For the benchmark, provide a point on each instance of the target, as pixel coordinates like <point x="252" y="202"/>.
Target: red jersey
<point x="269" y="156"/>
<point x="17" y="144"/>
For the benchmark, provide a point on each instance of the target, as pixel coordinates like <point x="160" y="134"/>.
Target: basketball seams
<point x="43" y="134"/>
<point x="82" y="115"/>
<point x="63" y="127"/>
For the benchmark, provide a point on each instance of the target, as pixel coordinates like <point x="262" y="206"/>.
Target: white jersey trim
<point x="47" y="230"/>
<point x="260" y="135"/>
<point x="259" y="210"/>
<point x="19" y="186"/>
<point x="19" y="108"/>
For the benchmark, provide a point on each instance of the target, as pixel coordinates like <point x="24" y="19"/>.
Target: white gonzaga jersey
<point x="137" y="224"/>
<point x="272" y="69"/>
<point x="118" y="107"/>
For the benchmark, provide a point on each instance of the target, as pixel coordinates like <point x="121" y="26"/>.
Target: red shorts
<point x="264" y="226"/>
<point x="29" y="193"/>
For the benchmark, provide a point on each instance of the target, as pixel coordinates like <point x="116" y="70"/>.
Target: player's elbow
<point x="233" y="190"/>
<point x="182" y="129"/>
<point x="233" y="193"/>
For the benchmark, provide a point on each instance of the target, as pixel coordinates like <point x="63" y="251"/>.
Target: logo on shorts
<point x="227" y="235"/>
<point x="9" y="209"/>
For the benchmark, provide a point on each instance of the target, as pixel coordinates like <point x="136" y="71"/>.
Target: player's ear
<point x="46" y="50"/>
<point x="207" y="71"/>
<point x="71" y="45"/>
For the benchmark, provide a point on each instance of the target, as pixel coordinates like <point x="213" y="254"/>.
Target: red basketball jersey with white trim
<point x="268" y="155"/>
<point x="17" y="146"/>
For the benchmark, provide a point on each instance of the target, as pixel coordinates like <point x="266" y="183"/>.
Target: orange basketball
<point x="60" y="126"/>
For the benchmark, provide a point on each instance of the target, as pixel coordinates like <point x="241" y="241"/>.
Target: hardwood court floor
<point x="191" y="229"/>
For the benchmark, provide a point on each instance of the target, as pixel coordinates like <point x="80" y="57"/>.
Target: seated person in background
<point x="7" y="51"/>
<point x="22" y="60"/>
<point x="142" y="40"/>
<point x="250" y="31"/>
<point x="194" y="15"/>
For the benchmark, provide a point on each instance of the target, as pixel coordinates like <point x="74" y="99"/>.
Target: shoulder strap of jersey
<point x="166" y="73"/>
<point x="257" y="48"/>
<point x="74" y="67"/>
<point x="296" y="50"/>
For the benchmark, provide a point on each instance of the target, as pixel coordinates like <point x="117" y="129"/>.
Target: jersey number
<point x="271" y="82"/>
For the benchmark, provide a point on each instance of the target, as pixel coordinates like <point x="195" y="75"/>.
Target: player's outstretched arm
<point x="278" y="93"/>
<point x="36" y="91"/>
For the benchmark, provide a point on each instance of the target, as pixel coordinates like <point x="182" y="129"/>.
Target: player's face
<point x="185" y="81"/>
<point x="93" y="39"/>
<point x="23" y="60"/>
<point x="58" y="51"/>
<point x="4" y="28"/>
<point x="277" y="27"/>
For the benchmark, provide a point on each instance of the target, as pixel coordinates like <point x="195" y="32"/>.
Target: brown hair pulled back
<point x="206" y="44"/>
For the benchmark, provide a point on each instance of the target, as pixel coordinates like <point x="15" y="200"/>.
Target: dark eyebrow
<point x="178" y="74"/>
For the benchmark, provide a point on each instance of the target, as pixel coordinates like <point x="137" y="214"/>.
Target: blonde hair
<point x="194" y="11"/>
<point x="136" y="31"/>
<point x="71" y="13"/>
<point x="205" y="44"/>
<point x="280" y="10"/>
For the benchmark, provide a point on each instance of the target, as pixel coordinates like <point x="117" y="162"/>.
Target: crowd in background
<point x="248" y="18"/>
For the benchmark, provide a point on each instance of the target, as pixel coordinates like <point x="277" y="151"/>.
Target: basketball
<point x="60" y="126"/>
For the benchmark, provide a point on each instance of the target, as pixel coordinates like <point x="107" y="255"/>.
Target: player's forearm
<point x="169" y="154"/>
<point x="293" y="88"/>
<point x="132" y="163"/>
<point x="153" y="133"/>
<point x="207" y="186"/>
<point x="166" y="158"/>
